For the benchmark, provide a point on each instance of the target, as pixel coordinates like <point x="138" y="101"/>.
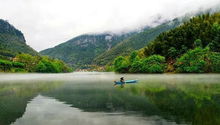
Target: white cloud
<point x="46" y="23"/>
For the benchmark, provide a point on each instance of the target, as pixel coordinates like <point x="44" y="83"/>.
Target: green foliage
<point x="28" y="63"/>
<point x="18" y="70"/>
<point x="199" y="31"/>
<point x="198" y="60"/>
<point x="28" y="60"/>
<point x="40" y="67"/>
<point x="136" y="67"/>
<point x="5" y="65"/>
<point x="18" y="65"/>
<point x="172" y="52"/>
<point x="134" y="57"/>
<point x="198" y="43"/>
<point x="109" y="68"/>
<point x="8" y="66"/>
<point x="121" y="64"/>
<point x="154" y="64"/>
<point x="46" y="66"/>
<point x="182" y="48"/>
<point x="215" y="44"/>
<point x="214" y="62"/>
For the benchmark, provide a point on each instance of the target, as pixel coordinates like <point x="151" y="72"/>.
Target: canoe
<point x="127" y="82"/>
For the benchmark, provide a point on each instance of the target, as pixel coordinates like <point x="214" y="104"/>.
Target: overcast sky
<point x="46" y="23"/>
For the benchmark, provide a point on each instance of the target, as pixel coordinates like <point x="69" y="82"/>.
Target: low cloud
<point x="46" y="23"/>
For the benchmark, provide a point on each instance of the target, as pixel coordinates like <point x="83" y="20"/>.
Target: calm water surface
<point x="91" y="99"/>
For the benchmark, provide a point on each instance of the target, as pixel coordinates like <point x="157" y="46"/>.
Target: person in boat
<point x="122" y="81"/>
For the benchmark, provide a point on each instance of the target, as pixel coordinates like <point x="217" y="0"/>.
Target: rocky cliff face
<point x="12" y="41"/>
<point x="6" y="28"/>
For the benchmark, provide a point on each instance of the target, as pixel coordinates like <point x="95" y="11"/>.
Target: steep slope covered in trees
<point x="81" y="50"/>
<point x="193" y="47"/>
<point x="17" y="56"/>
<point x="135" y="42"/>
<point x="12" y="41"/>
<point x="174" y="43"/>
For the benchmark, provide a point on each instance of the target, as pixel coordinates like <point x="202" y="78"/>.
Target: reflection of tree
<point x="14" y="98"/>
<point x="106" y="99"/>
<point x="192" y="103"/>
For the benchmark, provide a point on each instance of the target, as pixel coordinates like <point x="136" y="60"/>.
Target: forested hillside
<point x="174" y="43"/>
<point x="135" y="42"/>
<point x="17" y="56"/>
<point x="192" y="47"/>
<point x="12" y="41"/>
<point x="81" y="50"/>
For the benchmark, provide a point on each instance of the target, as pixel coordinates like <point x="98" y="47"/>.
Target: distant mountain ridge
<point x="135" y="42"/>
<point x="141" y="39"/>
<point x="81" y="50"/>
<point x="12" y="41"/>
<point x="100" y="49"/>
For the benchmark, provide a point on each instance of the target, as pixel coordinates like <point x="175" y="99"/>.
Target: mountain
<point x="81" y="50"/>
<point x="135" y="42"/>
<point x="203" y="29"/>
<point x="100" y="49"/>
<point x="192" y="47"/>
<point x="12" y="41"/>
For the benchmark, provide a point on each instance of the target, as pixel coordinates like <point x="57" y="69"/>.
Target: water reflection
<point x="48" y="111"/>
<point x="90" y="98"/>
<point x="15" y="96"/>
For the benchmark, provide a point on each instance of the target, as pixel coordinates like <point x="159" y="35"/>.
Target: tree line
<point x="29" y="63"/>
<point x="193" y="47"/>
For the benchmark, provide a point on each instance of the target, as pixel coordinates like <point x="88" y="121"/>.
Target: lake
<point x="90" y="98"/>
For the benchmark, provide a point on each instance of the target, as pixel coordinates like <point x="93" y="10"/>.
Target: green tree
<point x="5" y="65"/>
<point x="198" y="43"/>
<point x="198" y="60"/>
<point x="136" y="67"/>
<point x="172" y="52"/>
<point x="121" y="64"/>
<point x="192" y="62"/>
<point x="28" y="60"/>
<point x="40" y="67"/>
<point x="47" y="66"/>
<point x="154" y="64"/>
<point x="215" y="44"/>
<point x="18" y="65"/>
<point x="199" y="31"/>
<point x="133" y="56"/>
<point x="214" y="62"/>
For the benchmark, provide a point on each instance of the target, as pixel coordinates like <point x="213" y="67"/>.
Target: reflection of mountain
<point x="14" y="99"/>
<point x="195" y="103"/>
<point x="180" y="98"/>
<point x="11" y="108"/>
<point x="181" y="103"/>
<point x="94" y="98"/>
<point x="48" y="111"/>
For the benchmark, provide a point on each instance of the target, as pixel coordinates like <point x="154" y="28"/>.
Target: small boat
<point x="127" y="82"/>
